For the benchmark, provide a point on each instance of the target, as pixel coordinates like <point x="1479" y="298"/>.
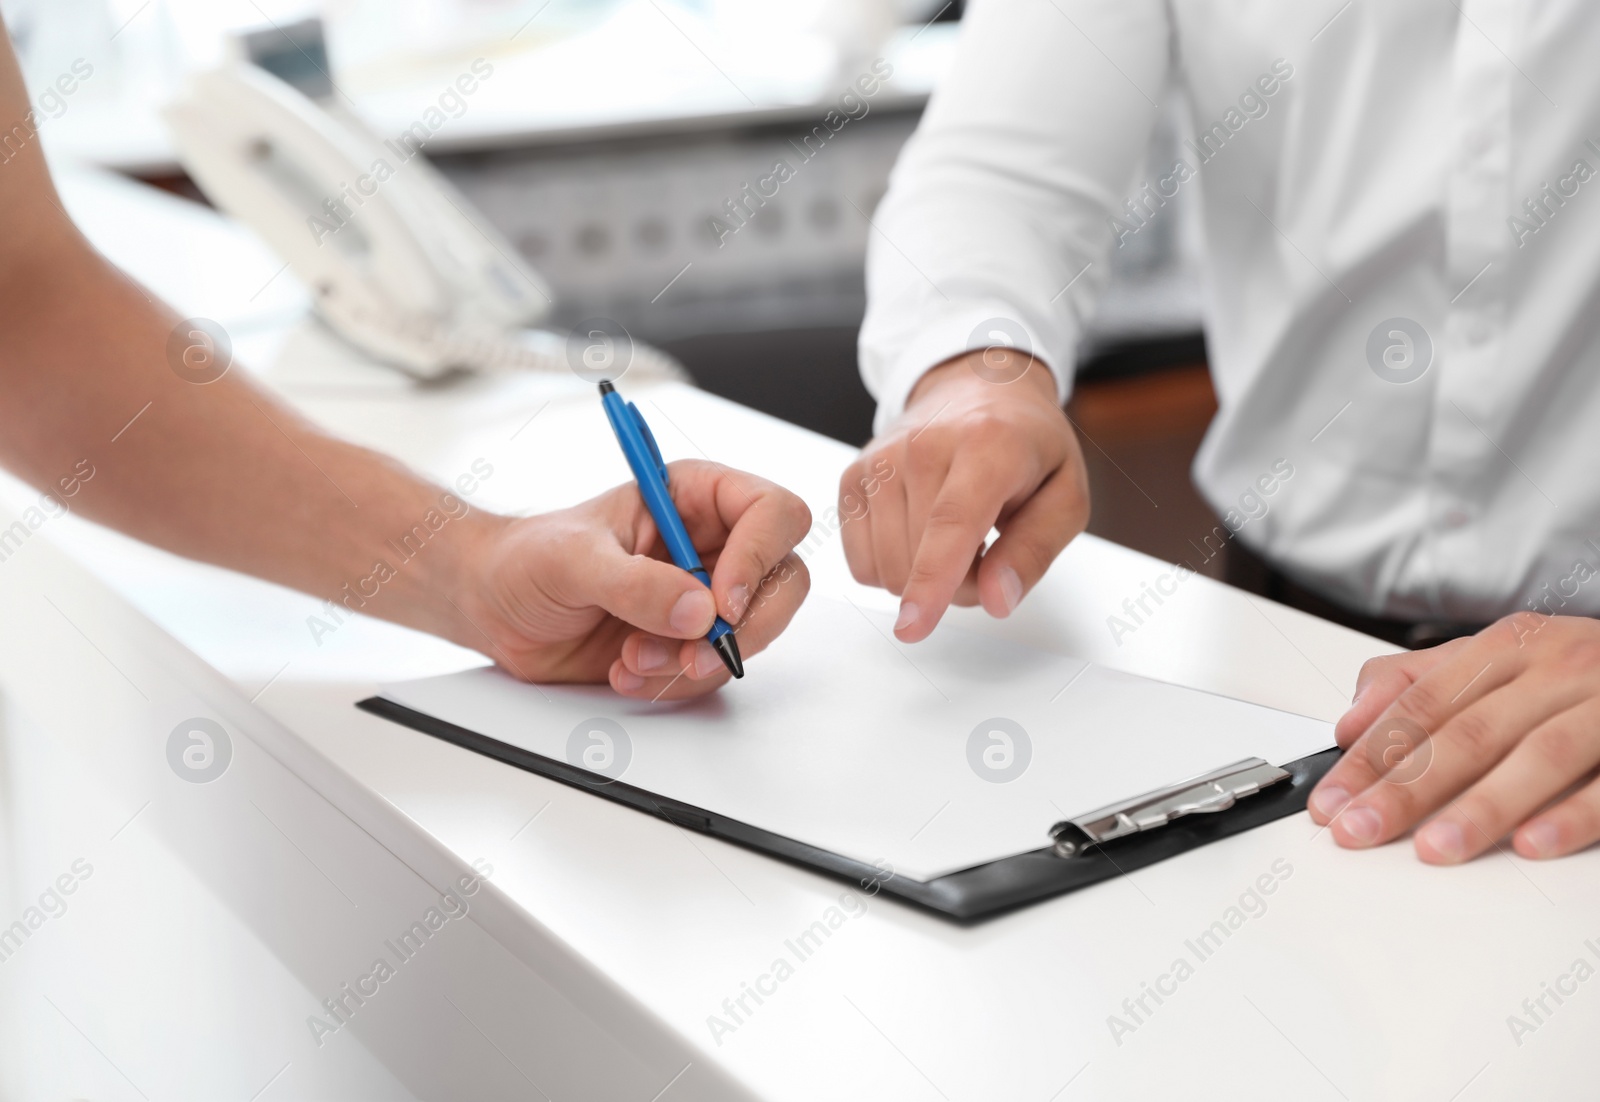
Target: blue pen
<point x="639" y="447"/>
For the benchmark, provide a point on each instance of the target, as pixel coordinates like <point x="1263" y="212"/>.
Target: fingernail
<point x="706" y="661"/>
<point x="693" y="612"/>
<point x="628" y="681"/>
<point x="1445" y="839"/>
<point x="1543" y="838"/>
<point x="738" y="601"/>
<point x="652" y="654"/>
<point x="1010" y="588"/>
<point x="1362" y="826"/>
<point x="908" y="616"/>
<point x="1328" y="801"/>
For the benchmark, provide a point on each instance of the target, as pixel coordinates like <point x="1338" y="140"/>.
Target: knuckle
<point x="1421" y="703"/>
<point x="1518" y="629"/>
<point x="862" y="569"/>
<point x="1558" y="745"/>
<point x="1031" y="557"/>
<point x="877" y="456"/>
<point x="1473" y="736"/>
<point x="1375" y="668"/>
<point x="986" y="424"/>
<point x="853" y="505"/>
<point x="793" y="528"/>
<point x="1578" y="656"/>
<point x="948" y="514"/>
<point x="922" y="577"/>
<point x="847" y="480"/>
<point x="1396" y="748"/>
<point x="926" y="450"/>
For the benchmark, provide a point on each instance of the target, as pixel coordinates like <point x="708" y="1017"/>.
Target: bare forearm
<point x="220" y="471"/>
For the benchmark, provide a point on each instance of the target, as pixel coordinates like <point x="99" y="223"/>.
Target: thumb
<point x="652" y="595"/>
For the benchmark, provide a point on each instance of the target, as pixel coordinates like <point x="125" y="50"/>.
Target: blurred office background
<point x="613" y="131"/>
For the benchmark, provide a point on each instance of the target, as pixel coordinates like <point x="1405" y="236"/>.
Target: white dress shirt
<point x="1433" y="161"/>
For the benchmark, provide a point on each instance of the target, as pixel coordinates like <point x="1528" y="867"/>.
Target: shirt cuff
<point x="961" y="329"/>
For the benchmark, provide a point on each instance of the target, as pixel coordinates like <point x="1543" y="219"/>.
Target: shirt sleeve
<point x="998" y="215"/>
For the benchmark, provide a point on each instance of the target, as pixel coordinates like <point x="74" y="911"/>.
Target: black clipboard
<point x="976" y="893"/>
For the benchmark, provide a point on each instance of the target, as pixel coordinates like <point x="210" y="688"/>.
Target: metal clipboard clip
<point x="1214" y="791"/>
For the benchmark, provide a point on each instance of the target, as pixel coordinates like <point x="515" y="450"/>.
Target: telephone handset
<point x="399" y="262"/>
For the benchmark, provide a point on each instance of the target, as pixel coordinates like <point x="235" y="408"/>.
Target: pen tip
<point x="606" y="387"/>
<point x="728" y="651"/>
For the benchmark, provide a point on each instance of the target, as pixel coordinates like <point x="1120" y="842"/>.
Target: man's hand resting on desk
<point x="1489" y="735"/>
<point x="969" y="454"/>
<point x="588" y="594"/>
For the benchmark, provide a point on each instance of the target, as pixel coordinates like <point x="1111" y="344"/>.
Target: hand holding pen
<point x="590" y="593"/>
<point x="650" y="472"/>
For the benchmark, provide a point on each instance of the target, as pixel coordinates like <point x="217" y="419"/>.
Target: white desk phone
<point x="399" y="262"/>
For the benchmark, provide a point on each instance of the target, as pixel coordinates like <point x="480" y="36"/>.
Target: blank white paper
<point x="928" y="759"/>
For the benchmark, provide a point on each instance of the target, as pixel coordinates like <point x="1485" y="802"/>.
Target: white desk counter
<point x="1362" y="975"/>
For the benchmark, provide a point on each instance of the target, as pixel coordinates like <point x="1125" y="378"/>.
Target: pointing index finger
<point x="959" y="521"/>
